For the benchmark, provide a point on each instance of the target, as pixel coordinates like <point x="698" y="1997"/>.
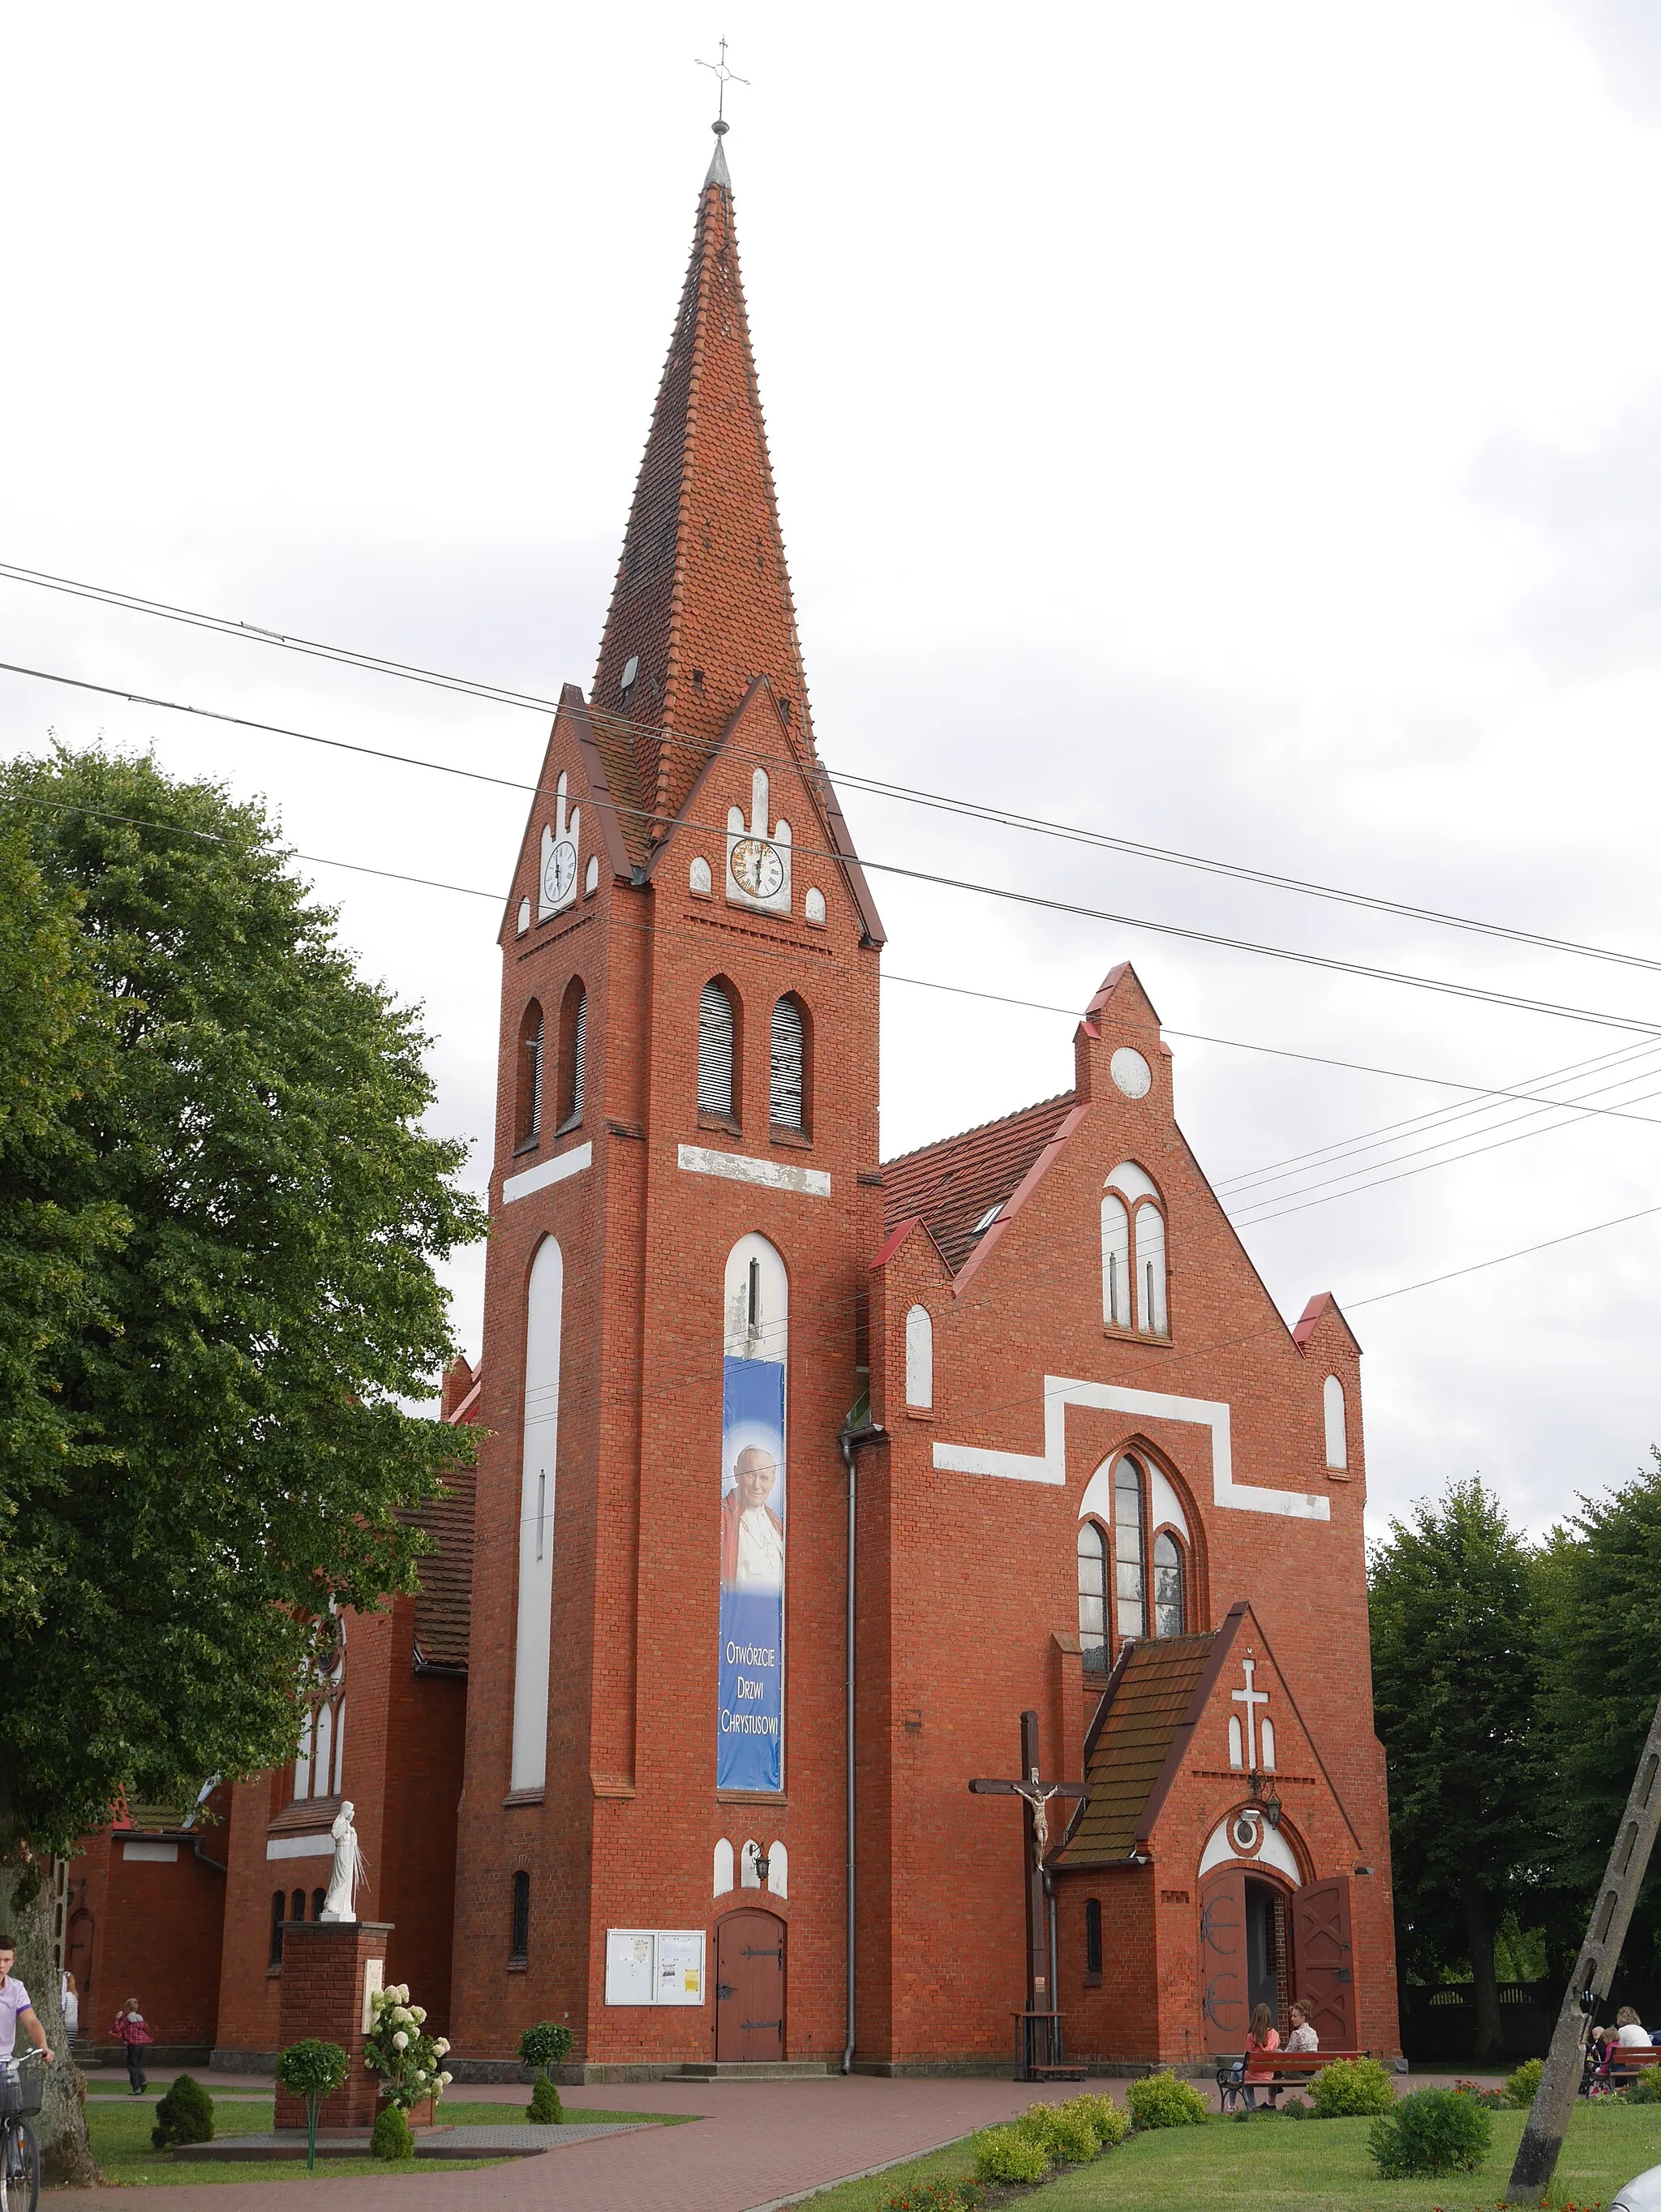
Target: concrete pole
<point x="1542" y="2138"/>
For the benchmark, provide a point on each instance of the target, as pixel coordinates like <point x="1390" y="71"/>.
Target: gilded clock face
<point x="560" y="872"/>
<point x="756" y="867"/>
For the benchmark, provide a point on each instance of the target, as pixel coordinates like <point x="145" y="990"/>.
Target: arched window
<point x="717" y="1052"/>
<point x="919" y="1358"/>
<point x="787" y="1084"/>
<point x="573" y="1053"/>
<point x="1338" y="1427"/>
<point x="528" y="1080"/>
<point x="1236" y="1741"/>
<point x="1130" y="1566"/>
<point x="1266" y="1744"/>
<point x="1115" y="1262"/>
<point x="297" y="1906"/>
<point x="1133" y="1269"/>
<point x="518" y="1946"/>
<point x="1092" y="1597"/>
<point x="274" y="1957"/>
<point x="320" y="1762"/>
<point x="1170" y="1614"/>
<point x="1093" y="1936"/>
<point x="318" y="1896"/>
<point x="538" y="1466"/>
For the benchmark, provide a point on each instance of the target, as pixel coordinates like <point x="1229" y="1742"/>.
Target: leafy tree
<point x="222" y="1214"/>
<point x="1456" y="1669"/>
<point x="1602" y="1594"/>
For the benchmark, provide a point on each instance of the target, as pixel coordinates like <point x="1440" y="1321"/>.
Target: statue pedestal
<point x="329" y="1967"/>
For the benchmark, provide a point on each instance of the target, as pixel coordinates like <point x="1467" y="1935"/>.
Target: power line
<point x="1327" y="963"/>
<point x="908" y="794"/>
<point x="1378" y="1297"/>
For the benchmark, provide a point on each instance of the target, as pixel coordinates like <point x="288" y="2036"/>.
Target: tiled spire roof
<point x="702" y="600"/>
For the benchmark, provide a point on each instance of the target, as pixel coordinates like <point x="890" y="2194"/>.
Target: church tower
<point x="684" y="1203"/>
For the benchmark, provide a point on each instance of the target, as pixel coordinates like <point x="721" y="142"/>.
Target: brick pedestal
<point x="323" y="1995"/>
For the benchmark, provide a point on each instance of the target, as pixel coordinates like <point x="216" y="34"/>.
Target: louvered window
<point x="578" y="1052"/>
<point x="528" y="1105"/>
<point x="715" y="1054"/>
<point x="785" y="1094"/>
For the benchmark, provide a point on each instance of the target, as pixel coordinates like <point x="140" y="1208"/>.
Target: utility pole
<point x="1542" y="2138"/>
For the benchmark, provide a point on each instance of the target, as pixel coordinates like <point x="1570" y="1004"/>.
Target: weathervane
<point x="724" y="76"/>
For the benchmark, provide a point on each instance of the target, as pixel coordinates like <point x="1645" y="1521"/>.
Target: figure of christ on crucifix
<point x="1035" y="1831"/>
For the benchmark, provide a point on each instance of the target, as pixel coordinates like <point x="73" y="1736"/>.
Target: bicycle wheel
<point x="19" y="2189"/>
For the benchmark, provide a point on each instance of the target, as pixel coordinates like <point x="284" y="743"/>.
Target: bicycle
<point x="20" y="2095"/>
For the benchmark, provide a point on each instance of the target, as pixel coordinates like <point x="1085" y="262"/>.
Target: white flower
<point x="418" y="2012"/>
<point x="446" y="2079"/>
<point x="402" y="1993"/>
<point x="442" y="2045"/>
<point x="400" y="2041"/>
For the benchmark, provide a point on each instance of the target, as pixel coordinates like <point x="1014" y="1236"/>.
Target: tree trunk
<point x="1479" y="1939"/>
<point x="26" y="1913"/>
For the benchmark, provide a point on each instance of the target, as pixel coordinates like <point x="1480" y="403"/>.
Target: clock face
<point x="560" y="872"/>
<point x="756" y="867"/>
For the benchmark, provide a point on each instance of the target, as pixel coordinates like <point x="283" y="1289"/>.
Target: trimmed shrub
<point x="1523" y="2086"/>
<point x="1645" y="2090"/>
<point x="1160" y="2100"/>
<point x="1068" y="2137"/>
<point x="1434" y="2132"/>
<point x="1009" y="2153"/>
<point x="1352" y="2087"/>
<point x="184" y="2115"/>
<point x="390" y="2138"/>
<point x="1104" y="2115"/>
<point x="936" y="2196"/>
<point x="546" y="2109"/>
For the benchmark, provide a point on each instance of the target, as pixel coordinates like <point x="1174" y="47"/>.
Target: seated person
<point x="1262" y="2035"/>
<point x="1629" y="2033"/>
<point x="1303" y="2036"/>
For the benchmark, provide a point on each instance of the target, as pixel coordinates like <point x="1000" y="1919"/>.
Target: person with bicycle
<point x="15" y="2008"/>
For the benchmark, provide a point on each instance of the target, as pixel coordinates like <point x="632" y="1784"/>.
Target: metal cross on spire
<point x="724" y="76"/>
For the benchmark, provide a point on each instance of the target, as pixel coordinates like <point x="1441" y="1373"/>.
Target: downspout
<point x="849" y="1442"/>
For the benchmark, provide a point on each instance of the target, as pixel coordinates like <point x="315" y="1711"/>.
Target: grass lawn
<point x="120" y="2132"/>
<point x="1292" y="2166"/>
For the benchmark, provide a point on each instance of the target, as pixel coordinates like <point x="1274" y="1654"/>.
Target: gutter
<point x="849" y="1442"/>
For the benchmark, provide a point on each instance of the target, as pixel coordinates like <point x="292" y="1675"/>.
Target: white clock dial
<point x="756" y="867"/>
<point x="1130" y="1072"/>
<point x="559" y="871"/>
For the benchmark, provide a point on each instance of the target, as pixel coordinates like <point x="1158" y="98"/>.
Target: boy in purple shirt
<point x="14" y="2006"/>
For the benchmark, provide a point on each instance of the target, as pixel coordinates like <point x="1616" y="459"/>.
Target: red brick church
<point x="805" y="1474"/>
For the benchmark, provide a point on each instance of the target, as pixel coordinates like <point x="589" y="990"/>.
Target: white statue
<point x="348" y="1871"/>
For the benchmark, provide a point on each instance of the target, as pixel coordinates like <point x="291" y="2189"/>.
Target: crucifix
<point x="1250" y="1697"/>
<point x="1040" y="1997"/>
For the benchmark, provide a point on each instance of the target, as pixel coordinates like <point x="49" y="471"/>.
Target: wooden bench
<point x="1626" y="2062"/>
<point x="1274" y="2071"/>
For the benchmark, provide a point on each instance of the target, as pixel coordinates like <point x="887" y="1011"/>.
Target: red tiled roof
<point x="443" y="1602"/>
<point x="951" y="1186"/>
<point x="1145" y="1705"/>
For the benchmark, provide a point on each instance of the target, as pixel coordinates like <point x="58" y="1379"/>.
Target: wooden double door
<point x="1264" y="1943"/>
<point x="750" y="1988"/>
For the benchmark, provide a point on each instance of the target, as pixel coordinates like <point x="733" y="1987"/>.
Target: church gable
<point x="575" y="833"/>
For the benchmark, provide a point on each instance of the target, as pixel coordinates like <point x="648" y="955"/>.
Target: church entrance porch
<point x="749" y="1989"/>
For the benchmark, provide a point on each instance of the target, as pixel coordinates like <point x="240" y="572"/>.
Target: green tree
<point x="1602" y="1597"/>
<point x="1456" y="1672"/>
<point x="217" y="1443"/>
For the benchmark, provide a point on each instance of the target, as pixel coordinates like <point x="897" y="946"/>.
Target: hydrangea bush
<point x="408" y="2060"/>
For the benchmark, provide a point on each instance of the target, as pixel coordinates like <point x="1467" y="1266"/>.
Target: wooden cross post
<point x="1035" y="1832"/>
<point x="1542" y="2137"/>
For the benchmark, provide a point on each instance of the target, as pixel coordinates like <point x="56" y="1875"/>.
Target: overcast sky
<point x="1236" y="430"/>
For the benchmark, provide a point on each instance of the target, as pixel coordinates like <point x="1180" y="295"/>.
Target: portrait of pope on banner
<point x="752" y="1533"/>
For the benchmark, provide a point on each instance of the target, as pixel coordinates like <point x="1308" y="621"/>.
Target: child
<point x="132" y="2029"/>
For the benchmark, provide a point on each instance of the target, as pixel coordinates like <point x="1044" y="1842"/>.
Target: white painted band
<point x="299" y="1847"/>
<point x="771" y="1175"/>
<point x="1061" y="1391"/>
<point x="547" y="1171"/>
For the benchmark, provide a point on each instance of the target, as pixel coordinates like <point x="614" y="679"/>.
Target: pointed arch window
<point x="787" y="1086"/>
<point x="528" y="1080"/>
<point x="1337" y="1425"/>
<point x="1133" y="1254"/>
<point x="573" y="1054"/>
<point x="718" y="1053"/>
<point x="320" y="1762"/>
<point x="920" y="1359"/>
<point x="1152" y="1554"/>
<point x="1092" y="1597"/>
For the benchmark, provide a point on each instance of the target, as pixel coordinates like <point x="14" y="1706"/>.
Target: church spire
<point x="701" y="604"/>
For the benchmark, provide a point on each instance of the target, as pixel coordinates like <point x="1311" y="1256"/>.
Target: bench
<point x="1274" y="2071"/>
<point x="1626" y="2062"/>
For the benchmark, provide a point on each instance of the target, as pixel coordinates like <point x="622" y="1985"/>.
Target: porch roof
<point x="1148" y="1699"/>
